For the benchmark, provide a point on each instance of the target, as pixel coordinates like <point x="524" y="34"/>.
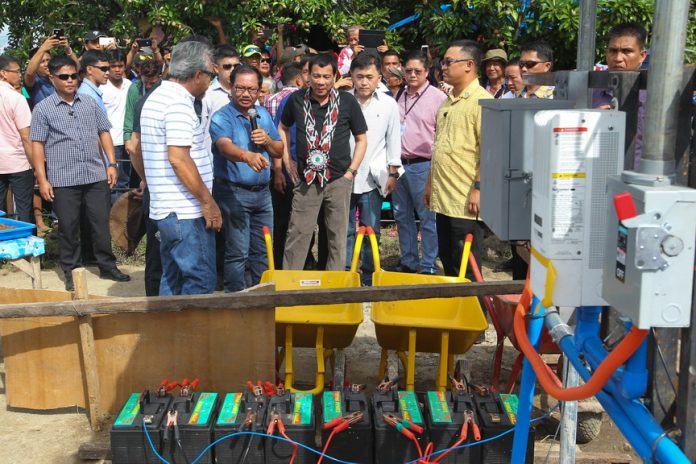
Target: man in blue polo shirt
<point x="241" y="160"/>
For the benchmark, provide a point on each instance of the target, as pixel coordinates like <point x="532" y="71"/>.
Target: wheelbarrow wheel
<point x="339" y="370"/>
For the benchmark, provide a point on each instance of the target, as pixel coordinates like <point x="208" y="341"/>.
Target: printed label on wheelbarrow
<point x="439" y="409"/>
<point x="129" y="411"/>
<point x="408" y="404"/>
<point x="302" y="412"/>
<point x="203" y="409"/>
<point x="510" y="406"/>
<point x="310" y="283"/>
<point x="333" y="406"/>
<point x="230" y="408"/>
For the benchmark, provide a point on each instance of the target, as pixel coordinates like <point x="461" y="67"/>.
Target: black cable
<point x="662" y="361"/>
<point x="250" y="439"/>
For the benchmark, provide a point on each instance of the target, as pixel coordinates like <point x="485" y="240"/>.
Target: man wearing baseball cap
<point x="92" y="40"/>
<point x="251" y="55"/>
<point x="494" y="62"/>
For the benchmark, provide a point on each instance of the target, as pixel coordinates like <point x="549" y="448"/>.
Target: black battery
<point x="129" y="444"/>
<point x="296" y="410"/>
<point x="444" y="417"/>
<point x="235" y="409"/>
<point x="495" y="418"/>
<point x="391" y="446"/>
<point x="354" y="444"/>
<point x="195" y="418"/>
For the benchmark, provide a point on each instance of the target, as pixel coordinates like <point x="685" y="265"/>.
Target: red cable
<point x="326" y="446"/>
<point x="418" y="447"/>
<point x="294" y="452"/>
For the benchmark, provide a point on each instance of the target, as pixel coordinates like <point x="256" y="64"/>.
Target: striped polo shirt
<point x="169" y="119"/>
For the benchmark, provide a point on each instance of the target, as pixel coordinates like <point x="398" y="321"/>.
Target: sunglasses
<point x="447" y="62"/>
<point x="530" y="64"/>
<point x="227" y="67"/>
<point x="208" y="73"/>
<point x="65" y="77"/>
<point x="265" y="60"/>
<point x="101" y="68"/>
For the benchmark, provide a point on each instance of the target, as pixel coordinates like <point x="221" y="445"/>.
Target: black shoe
<point x="114" y="274"/>
<point x="400" y="268"/>
<point x="69" y="284"/>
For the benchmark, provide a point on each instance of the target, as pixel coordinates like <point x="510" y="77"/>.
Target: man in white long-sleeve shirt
<point x="378" y="171"/>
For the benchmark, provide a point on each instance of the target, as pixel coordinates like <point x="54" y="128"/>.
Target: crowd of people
<point x="219" y="142"/>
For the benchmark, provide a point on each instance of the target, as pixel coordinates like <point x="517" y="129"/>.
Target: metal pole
<point x="664" y="87"/>
<point x="586" y="35"/>
<point x="569" y="418"/>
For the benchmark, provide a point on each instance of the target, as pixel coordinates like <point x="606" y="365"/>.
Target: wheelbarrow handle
<point x="465" y="256"/>
<point x="269" y="247"/>
<point x="375" y="248"/>
<point x="359" y="237"/>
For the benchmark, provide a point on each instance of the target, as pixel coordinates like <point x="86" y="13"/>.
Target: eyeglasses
<point x="65" y="77"/>
<point x="447" y="62"/>
<point x="265" y="60"/>
<point x="208" y="73"/>
<point x="243" y="90"/>
<point x="18" y="71"/>
<point x="101" y="68"/>
<point x="530" y="64"/>
<point x="417" y="72"/>
<point x="228" y="66"/>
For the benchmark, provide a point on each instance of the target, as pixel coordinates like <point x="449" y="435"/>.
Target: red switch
<point x="624" y="205"/>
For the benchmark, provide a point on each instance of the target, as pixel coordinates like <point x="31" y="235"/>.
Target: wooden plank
<point x="88" y="353"/>
<point x="261" y="299"/>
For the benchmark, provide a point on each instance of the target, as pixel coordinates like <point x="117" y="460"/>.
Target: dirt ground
<point x="28" y="437"/>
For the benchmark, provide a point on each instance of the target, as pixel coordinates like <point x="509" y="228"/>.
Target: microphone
<point x="253" y="115"/>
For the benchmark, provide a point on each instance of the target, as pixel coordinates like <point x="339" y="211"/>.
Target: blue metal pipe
<point x="634" y="382"/>
<point x="527" y="384"/>
<point x="631" y="416"/>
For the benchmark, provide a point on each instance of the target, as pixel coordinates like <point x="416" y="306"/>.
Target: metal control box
<point x="649" y="259"/>
<point x="507" y="154"/>
<point x="576" y="152"/>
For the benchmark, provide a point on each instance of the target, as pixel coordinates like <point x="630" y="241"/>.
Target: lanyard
<point x="406" y="111"/>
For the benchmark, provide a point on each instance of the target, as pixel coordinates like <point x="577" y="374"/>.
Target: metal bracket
<point x="517" y="174"/>
<point x="648" y="248"/>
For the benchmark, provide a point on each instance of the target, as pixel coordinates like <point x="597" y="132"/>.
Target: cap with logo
<point x="94" y="35"/>
<point x="251" y="50"/>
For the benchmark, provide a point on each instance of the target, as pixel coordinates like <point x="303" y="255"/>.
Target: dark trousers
<point x="67" y="205"/>
<point x="450" y="239"/>
<point x="22" y="184"/>
<point x="153" y="262"/>
<point x="282" y="205"/>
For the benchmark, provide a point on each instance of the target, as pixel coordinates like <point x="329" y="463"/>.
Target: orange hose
<point x="549" y="381"/>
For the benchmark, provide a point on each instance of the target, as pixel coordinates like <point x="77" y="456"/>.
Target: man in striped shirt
<point x="70" y="171"/>
<point x="179" y="173"/>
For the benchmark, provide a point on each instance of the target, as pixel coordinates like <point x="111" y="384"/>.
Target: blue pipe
<point x="634" y="382"/>
<point x="633" y="419"/>
<point x="527" y="384"/>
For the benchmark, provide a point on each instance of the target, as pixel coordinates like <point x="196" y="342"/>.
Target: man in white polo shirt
<point x="378" y="171"/>
<point x="179" y="173"/>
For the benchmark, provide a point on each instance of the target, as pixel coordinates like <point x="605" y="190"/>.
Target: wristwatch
<point x="477" y="185"/>
<point x="113" y="165"/>
<point x="352" y="171"/>
<point x="395" y="175"/>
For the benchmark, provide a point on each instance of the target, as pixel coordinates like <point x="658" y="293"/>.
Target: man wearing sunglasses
<point x="218" y="95"/>
<point x="536" y="57"/>
<point x="65" y="128"/>
<point x="95" y="65"/>
<point x="453" y="190"/>
<point x="244" y="143"/>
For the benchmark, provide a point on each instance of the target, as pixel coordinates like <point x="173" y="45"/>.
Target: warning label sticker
<point x="230" y="408"/>
<point x="302" y="412"/>
<point x="333" y="405"/>
<point x="568" y="181"/>
<point x="408" y="405"/>
<point x="129" y="411"/>
<point x="621" y="245"/>
<point x="310" y="283"/>
<point x="439" y="409"/>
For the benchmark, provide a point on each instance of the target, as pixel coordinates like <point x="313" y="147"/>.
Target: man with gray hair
<point x="179" y="173"/>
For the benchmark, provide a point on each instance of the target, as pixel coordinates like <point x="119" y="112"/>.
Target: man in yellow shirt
<point x="453" y="190"/>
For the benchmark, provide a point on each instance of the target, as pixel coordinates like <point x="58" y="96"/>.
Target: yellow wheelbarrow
<point x="447" y="326"/>
<point x="328" y="328"/>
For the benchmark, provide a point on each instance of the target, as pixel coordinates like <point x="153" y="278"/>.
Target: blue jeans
<point x="369" y="205"/>
<point x="124" y="173"/>
<point x="244" y="214"/>
<point x="408" y="197"/>
<point x="187" y="250"/>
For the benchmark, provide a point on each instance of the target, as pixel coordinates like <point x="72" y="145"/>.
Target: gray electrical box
<point x="507" y="154"/>
<point x="649" y="258"/>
